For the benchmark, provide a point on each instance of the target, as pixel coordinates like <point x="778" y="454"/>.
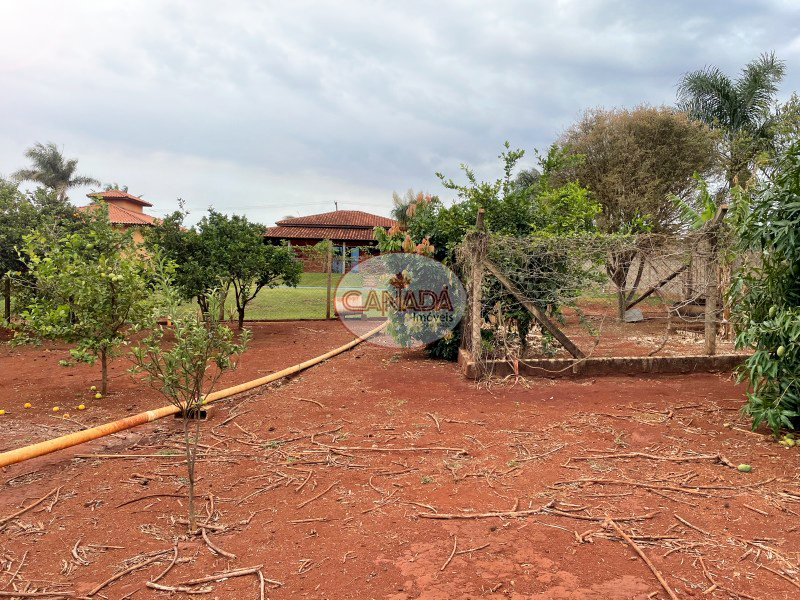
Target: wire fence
<point x="597" y="296"/>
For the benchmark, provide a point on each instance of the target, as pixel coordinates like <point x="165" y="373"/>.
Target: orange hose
<point x="79" y="437"/>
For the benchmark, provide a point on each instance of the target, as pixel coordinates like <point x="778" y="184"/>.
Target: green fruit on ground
<point x="98" y="395"/>
<point x="783" y="443"/>
<point x="93" y="388"/>
<point x="744" y="468"/>
<point x="790" y="443"/>
<point x="781" y="351"/>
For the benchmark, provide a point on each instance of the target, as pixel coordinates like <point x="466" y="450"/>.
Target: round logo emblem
<point x="421" y="299"/>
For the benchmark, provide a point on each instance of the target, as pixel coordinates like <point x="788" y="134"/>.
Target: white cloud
<point x="316" y="100"/>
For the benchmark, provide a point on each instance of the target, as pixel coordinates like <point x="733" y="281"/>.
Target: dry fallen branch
<point x="547" y="509"/>
<point x="695" y="527"/>
<point x="179" y="588"/>
<point x="452" y="554"/>
<point x="169" y="568"/>
<point x="308" y="400"/>
<point x="11" y="517"/>
<point x="687" y="458"/>
<point x="435" y="420"/>
<point x="51" y="595"/>
<point x="310" y="500"/>
<point x="643" y="556"/>
<point x="121" y="574"/>
<point x="227" y="574"/>
<point x="214" y="548"/>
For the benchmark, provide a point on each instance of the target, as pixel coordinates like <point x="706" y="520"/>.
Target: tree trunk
<point x="329" y="271"/>
<point x="240" y="310"/>
<point x="7" y="299"/>
<point x="223" y="294"/>
<point x="190" y="456"/>
<point x="103" y="372"/>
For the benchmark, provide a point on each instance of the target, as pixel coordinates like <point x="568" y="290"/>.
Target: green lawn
<point x="306" y="301"/>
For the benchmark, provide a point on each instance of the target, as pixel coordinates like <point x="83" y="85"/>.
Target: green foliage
<point x="220" y="252"/>
<point x="700" y="209"/>
<point x="741" y="109"/>
<point x="532" y="203"/>
<point x="195" y="271"/>
<point x="237" y="250"/>
<point x="90" y="289"/>
<point x="50" y="169"/>
<point x="16" y="216"/>
<point x="766" y="296"/>
<point x="634" y="161"/>
<point x="184" y="361"/>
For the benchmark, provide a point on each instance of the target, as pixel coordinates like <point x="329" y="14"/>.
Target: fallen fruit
<point x="98" y="395"/>
<point x="744" y="468"/>
<point x="27" y="405"/>
<point x="790" y="442"/>
<point x="93" y="388"/>
<point x="81" y="407"/>
<point x="56" y="409"/>
<point x="2" y="412"/>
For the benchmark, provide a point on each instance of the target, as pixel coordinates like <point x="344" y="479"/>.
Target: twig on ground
<point x="310" y="500"/>
<point x="688" y="458"/>
<point x="452" y="554"/>
<point x="643" y="556"/>
<point x="150" y="496"/>
<point x="11" y="517"/>
<point x="228" y="574"/>
<point x="169" y="568"/>
<point x="309" y="400"/>
<point x="695" y="527"/>
<point x="781" y="575"/>
<point x="15" y="573"/>
<point x="179" y="588"/>
<point x="214" y="548"/>
<point x="435" y="420"/>
<point x="121" y="574"/>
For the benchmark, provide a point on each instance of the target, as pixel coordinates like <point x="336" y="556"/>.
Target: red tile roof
<point x="360" y="234"/>
<point x="340" y="218"/>
<point x="122" y="216"/>
<point x="120" y="195"/>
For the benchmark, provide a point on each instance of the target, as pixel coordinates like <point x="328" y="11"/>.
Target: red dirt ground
<point x="328" y="498"/>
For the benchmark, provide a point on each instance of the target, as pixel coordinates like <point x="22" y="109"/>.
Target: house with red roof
<point x="351" y="232"/>
<point x="125" y="211"/>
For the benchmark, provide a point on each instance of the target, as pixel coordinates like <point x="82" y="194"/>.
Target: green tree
<point x="742" y="109"/>
<point x="766" y="296"/>
<point x="52" y="170"/>
<point x="523" y="205"/>
<point x="238" y="253"/>
<point x="90" y="289"/>
<point x="635" y="162"/>
<point x="185" y="361"/>
<point x="196" y="272"/>
<point x="16" y="217"/>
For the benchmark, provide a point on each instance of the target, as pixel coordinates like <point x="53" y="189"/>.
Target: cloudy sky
<point x="275" y="108"/>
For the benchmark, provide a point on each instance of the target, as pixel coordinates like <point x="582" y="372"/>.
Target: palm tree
<point x="403" y="208"/>
<point x="52" y="170"/>
<point x="741" y="109"/>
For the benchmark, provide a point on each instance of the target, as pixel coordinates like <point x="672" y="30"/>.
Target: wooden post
<point x="329" y="269"/>
<point x="712" y="282"/>
<point x="7" y="298"/>
<point x="475" y="243"/>
<point x="538" y="314"/>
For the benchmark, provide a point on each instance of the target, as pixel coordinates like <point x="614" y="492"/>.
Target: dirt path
<point x="345" y="513"/>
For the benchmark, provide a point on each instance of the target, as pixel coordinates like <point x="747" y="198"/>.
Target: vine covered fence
<point x="596" y="296"/>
